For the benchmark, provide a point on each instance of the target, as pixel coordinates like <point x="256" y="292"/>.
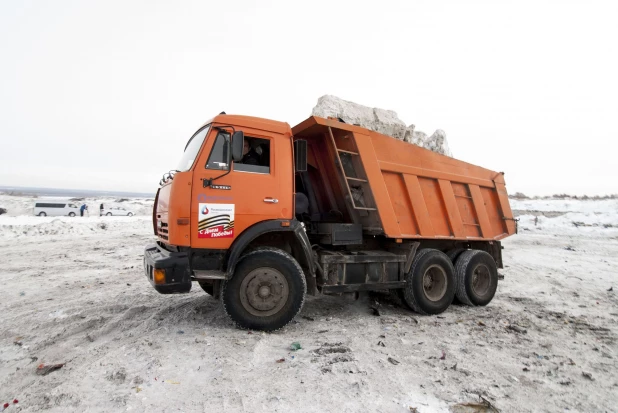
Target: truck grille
<point x="164" y="231"/>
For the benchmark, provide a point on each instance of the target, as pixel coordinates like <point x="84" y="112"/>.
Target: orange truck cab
<point x="260" y="214"/>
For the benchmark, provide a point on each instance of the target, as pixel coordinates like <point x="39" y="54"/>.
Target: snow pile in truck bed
<point x="380" y="120"/>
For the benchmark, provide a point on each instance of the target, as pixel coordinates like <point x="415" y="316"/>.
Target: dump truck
<point x="260" y="214"/>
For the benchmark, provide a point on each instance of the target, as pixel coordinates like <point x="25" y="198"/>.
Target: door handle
<point x="271" y="200"/>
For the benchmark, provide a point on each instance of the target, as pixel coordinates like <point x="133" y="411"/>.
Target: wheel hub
<point x="481" y="280"/>
<point x="434" y="283"/>
<point x="264" y="291"/>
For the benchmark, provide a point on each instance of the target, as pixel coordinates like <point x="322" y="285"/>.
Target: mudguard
<point x="275" y="225"/>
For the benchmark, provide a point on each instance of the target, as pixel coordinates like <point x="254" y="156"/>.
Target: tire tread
<point x="460" y="274"/>
<point x="408" y="292"/>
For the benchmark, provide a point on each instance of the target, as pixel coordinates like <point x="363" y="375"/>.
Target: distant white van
<point x="55" y="209"/>
<point x="109" y="211"/>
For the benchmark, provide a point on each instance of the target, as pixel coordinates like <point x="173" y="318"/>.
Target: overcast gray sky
<point x="105" y="94"/>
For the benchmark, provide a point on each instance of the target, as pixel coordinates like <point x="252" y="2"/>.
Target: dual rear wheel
<point x="477" y="277"/>
<point x="433" y="281"/>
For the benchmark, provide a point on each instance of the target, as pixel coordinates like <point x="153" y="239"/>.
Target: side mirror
<point x="238" y="140"/>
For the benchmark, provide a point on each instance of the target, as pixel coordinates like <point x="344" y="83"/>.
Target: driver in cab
<point x="249" y="155"/>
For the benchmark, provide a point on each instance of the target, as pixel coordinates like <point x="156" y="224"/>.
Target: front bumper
<point x="175" y="266"/>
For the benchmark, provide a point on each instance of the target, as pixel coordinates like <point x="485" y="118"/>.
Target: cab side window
<point x="256" y="156"/>
<point x="218" y="155"/>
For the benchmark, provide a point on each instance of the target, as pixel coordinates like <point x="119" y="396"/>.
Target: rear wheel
<point x="267" y="290"/>
<point x="130" y="214"/>
<point x="42" y="214"/>
<point x="454" y="254"/>
<point x="109" y="214"/>
<point x="430" y="284"/>
<point x="477" y="277"/>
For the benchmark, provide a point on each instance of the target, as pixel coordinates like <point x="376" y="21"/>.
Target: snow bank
<point x="380" y="120"/>
<point x="566" y="205"/>
<point x="33" y="226"/>
<point x="554" y="216"/>
<point x="570" y="217"/>
<point x="571" y="223"/>
<point x="24" y="205"/>
<point x="20" y="221"/>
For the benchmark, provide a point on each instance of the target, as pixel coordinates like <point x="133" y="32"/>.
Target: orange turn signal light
<point x="159" y="276"/>
<point x="285" y="224"/>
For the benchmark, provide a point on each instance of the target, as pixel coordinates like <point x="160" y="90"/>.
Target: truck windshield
<point x="192" y="149"/>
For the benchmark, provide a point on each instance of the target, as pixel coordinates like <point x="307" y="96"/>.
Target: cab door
<point x="247" y="194"/>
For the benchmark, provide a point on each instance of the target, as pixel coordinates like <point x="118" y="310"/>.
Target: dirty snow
<point x="73" y="292"/>
<point x="380" y="120"/>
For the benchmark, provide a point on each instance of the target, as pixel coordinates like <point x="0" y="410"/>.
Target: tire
<point x="207" y="287"/>
<point x="477" y="277"/>
<point x="71" y="214"/>
<point x="130" y="214"/>
<point x="430" y="284"/>
<point x="454" y="254"/>
<point x="109" y="214"/>
<point x="42" y="214"/>
<point x="273" y="274"/>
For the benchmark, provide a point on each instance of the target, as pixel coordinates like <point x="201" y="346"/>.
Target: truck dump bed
<point x="397" y="189"/>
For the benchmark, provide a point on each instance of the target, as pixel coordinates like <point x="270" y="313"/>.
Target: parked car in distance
<point x="55" y="209"/>
<point x="119" y="211"/>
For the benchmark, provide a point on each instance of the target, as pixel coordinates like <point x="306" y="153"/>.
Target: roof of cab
<point x="252" y="122"/>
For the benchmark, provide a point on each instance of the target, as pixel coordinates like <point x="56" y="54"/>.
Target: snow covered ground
<point x="73" y="292"/>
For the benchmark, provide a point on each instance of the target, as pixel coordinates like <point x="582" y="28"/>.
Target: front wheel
<point x="130" y="214"/>
<point x="42" y="214"/>
<point x="109" y="214"/>
<point x="71" y="214"/>
<point x="266" y="292"/>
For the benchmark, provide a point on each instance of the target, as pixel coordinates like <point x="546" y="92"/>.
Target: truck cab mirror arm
<point x="238" y="140"/>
